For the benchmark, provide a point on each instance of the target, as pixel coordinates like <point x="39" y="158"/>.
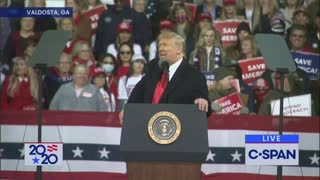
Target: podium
<point x="164" y="142"/>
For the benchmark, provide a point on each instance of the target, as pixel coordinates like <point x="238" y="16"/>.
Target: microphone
<point x="163" y="65"/>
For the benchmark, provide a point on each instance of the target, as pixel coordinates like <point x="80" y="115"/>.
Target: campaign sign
<point x="230" y="104"/>
<point x="309" y="62"/>
<point x="43" y="154"/>
<point x="192" y="9"/>
<point x="236" y="85"/>
<point x="94" y="15"/>
<point x="227" y="30"/>
<point x="272" y="149"/>
<point x="293" y="106"/>
<point x="252" y="69"/>
<point x="209" y="77"/>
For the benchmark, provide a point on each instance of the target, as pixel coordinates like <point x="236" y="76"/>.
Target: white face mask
<point x="108" y="68"/>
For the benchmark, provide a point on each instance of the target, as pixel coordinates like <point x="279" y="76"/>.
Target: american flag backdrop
<point x="91" y="146"/>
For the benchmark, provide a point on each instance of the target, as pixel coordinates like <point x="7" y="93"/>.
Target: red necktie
<point x="161" y="86"/>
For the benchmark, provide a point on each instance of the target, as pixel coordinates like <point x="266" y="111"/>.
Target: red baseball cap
<point x="229" y="2"/>
<point x="124" y="27"/>
<point x="166" y="24"/>
<point x="205" y="15"/>
<point x="97" y="72"/>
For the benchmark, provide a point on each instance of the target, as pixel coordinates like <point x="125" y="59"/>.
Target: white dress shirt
<point x="173" y="68"/>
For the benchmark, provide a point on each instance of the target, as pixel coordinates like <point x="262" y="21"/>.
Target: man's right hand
<point x="121" y="116"/>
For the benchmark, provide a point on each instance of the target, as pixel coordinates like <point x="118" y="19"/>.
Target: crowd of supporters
<point x="99" y="67"/>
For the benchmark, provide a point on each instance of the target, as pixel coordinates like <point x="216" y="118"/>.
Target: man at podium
<point x="171" y="80"/>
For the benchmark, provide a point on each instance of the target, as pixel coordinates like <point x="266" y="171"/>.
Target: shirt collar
<point x="173" y="68"/>
<point x="25" y="79"/>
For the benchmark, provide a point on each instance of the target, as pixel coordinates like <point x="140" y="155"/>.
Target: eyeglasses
<point x="125" y="52"/>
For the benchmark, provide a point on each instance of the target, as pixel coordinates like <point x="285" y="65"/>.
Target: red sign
<point x="230" y="104"/>
<point x="94" y="15"/>
<point x="252" y="69"/>
<point x="227" y="30"/>
<point x="192" y="8"/>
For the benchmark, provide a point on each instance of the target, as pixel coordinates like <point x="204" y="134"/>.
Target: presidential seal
<point x="164" y="127"/>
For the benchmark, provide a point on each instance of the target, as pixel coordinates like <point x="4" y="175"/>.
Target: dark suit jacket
<point x="186" y="85"/>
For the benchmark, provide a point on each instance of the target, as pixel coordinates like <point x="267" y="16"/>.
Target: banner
<point x="293" y="106"/>
<point x="230" y="104"/>
<point x="227" y="30"/>
<point x="192" y="8"/>
<point x="252" y="69"/>
<point x="236" y="85"/>
<point x="94" y="15"/>
<point x="309" y="62"/>
<point x="95" y="154"/>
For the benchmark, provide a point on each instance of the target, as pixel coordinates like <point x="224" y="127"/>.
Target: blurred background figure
<point x="99" y="80"/>
<point x="65" y="24"/>
<point x="17" y="40"/>
<point x="82" y="54"/>
<point x="78" y="95"/>
<point x="289" y="8"/>
<point x="249" y="48"/>
<point x="57" y="76"/>
<point x="124" y="59"/>
<point x="209" y="6"/>
<point x="124" y="35"/>
<point x="298" y="39"/>
<point x="207" y="54"/>
<point x="229" y="11"/>
<point x="20" y="89"/>
<point x="42" y="24"/>
<point x="110" y="66"/>
<point x="250" y="9"/>
<point x="93" y="3"/>
<point x="129" y="81"/>
<point x="204" y="21"/>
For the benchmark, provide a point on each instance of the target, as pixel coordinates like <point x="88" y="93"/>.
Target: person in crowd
<point x="108" y="23"/>
<point x="232" y="53"/>
<point x="20" y="89"/>
<point x="4" y="69"/>
<point x="5" y="28"/>
<point x="99" y="80"/>
<point x="124" y="58"/>
<point x="42" y="24"/>
<point x="128" y="82"/>
<point x="290" y="7"/>
<point x="139" y="5"/>
<point x="249" y="48"/>
<point x="57" y="76"/>
<point x="29" y="48"/>
<point x="229" y="11"/>
<point x="65" y="24"/>
<point x="250" y="9"/>
<point x="181" y="17"/>
<point x="302" y="17"/>
<point x="124" y="35"/>
<point x="211" y="7"/>
<point x="272" y="20"/>
<point x="315" y="43"/>
<point x="298" y="39"/>
<point x="165" y="26"/>
<point x="207" y="54"/>
<point x="82" y="54"/>
<point x="17" y="40"/>
<point x="93" y="3"/>
<point x="223" y="87"/>
<point x="78" y="95"/>
<point x="204" y="21"/>
<point x="176" y="82"/>
<point x="110" y="66"/>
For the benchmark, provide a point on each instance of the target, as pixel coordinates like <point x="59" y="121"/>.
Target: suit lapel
<point x="176" y="79"/>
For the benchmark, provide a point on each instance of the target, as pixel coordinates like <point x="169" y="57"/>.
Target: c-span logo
<point x="272" y="149"/>
<point x="43" y="154"/>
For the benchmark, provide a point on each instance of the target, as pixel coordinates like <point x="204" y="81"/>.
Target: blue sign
<point x="272" y="149"/>
<point x="35" y="12"/>
<point x="308" y="62"/>
<point x="209" y="76"/>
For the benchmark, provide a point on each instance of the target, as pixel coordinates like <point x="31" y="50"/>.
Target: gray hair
<point x="180" y="42"/>
<point x="80" y="67"/>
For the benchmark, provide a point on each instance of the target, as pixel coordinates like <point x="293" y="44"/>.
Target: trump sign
<point x="272" y="149"/>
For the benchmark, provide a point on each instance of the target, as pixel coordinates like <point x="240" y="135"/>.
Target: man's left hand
<point x="202" y="104"/>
